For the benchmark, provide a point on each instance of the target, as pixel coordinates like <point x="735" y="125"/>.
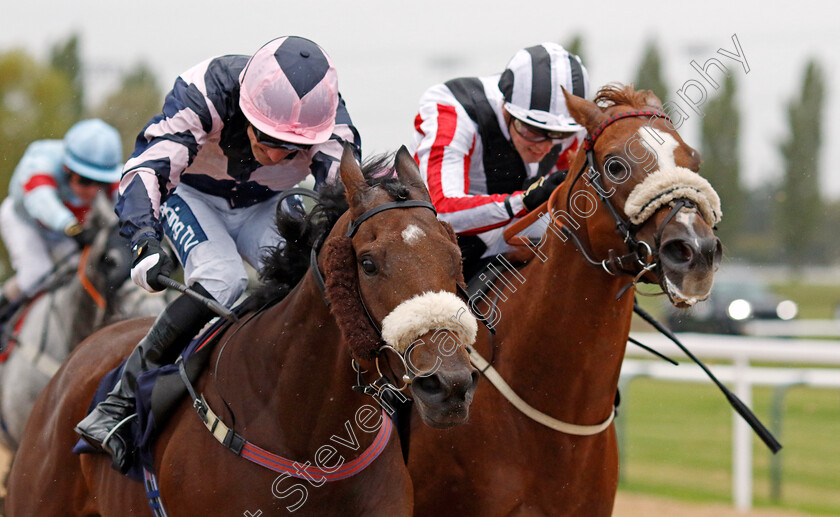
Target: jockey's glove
<point x="539" y="191"/>
<point x="150" y="260"/>
<point x="82" y="236"/>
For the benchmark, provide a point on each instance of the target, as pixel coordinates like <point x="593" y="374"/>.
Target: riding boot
<point x="104" y="428"/>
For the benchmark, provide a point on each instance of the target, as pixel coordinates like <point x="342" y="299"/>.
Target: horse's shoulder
<point x="112" y="343"/>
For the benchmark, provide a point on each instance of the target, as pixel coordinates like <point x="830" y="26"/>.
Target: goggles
<point x="77" y="178"/>
<point x="533" y="134"/>
<point x="270" y="141"/>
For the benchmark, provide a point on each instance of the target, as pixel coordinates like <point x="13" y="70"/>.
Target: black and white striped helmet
<point x="531" y="86"/>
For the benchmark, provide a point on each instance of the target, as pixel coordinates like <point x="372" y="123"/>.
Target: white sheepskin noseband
<point x="425" y="312"/>
<point x="667" y="184"/>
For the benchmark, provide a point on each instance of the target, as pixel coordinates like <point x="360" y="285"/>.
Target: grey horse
<point x="77" y="300"/>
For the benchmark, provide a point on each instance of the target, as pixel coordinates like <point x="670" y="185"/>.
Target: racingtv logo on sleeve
<point x="181" y="227"/>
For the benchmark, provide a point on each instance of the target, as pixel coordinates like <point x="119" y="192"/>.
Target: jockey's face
<point x="267" y="154"/>
<point x="530" y="142"/>
<point x="84" y="188"/>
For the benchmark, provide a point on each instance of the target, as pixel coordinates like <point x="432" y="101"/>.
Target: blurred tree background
<point x="649" y="76"/>
<point x="779" y="221"/>
<point x="800" y="208"/>
<point x="720" y="136"/>
<point x="41" y="99"/>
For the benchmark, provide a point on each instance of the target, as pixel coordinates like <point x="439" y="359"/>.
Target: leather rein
<point x="240" y="446"/>
<point x="640" y="257"/>
<point x="382" y="385"/>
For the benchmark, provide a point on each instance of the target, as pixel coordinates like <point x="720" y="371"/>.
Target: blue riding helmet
<point x="93" y="149"/>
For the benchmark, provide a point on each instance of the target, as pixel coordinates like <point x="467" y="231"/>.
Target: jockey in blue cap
<point x="51" y="191"/>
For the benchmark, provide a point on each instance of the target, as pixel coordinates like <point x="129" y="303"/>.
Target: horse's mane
<point x="617" y="94"/>
<point x="285" y="266"/>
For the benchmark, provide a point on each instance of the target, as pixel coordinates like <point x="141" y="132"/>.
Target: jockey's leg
<point x="103" y="427"/>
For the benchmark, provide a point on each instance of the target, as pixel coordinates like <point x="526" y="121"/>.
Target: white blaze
<point x="663" y="148"/>
<point x="412" y="234"/>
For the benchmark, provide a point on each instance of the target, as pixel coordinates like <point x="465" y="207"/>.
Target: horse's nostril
<point x="678" y="251"/>
<point x="718" y="253"/>
<point x="430" y="384"/>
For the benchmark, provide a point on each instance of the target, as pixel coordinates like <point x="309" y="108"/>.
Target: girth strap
<point x="234" y="442"/>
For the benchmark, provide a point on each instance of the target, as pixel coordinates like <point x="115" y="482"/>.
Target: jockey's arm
<point x="445" y="151"/>
<point x="326" y="157"/>
<point x="42" y="202"/>
<point x="165" y="148"/>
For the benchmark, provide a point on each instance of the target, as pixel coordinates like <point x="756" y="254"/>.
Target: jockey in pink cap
<point x="207" y="174"/>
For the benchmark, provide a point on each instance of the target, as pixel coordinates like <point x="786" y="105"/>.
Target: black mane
<point x="285" y="266"/>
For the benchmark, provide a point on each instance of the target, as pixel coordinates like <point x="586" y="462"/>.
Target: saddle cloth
<point x="158" y="394"/>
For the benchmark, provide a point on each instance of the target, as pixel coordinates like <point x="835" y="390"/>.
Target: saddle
<point x="489" y="271"/>
<point x="158" y="394"/>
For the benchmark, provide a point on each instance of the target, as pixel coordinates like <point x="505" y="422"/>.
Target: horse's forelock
<point x="379" y="171"/>
<point x="617" y="94"/>
<point x="285" y="266"/>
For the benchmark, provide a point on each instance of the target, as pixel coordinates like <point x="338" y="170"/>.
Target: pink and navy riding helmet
<point x="289" y="91"/>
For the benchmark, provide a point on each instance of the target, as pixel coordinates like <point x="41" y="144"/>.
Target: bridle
<point x="382" y="383"/>
<point x="639" y="258"/>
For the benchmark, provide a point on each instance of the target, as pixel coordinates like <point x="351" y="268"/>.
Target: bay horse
<point x="83" y="294"/>
<point x="281" y="378"/>
<point x="562" y="320"/>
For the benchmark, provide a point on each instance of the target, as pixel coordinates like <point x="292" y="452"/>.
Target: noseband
<point x="382" y="384"/>
<point x="640" y="258"/>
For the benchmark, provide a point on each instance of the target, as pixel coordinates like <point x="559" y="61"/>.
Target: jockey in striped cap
<point x="493" y="148"/>
<point x="206" y="174"/>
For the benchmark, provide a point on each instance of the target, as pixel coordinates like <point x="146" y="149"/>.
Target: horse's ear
<point x="585" y="112"/>
<point x="351" y="175"/>
<point x="409" y="173"/>
<point x="651" y="100"/>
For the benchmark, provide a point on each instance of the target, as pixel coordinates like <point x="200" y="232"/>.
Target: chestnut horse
<point x="560" y="337"/>
<point x="285" y="372"/>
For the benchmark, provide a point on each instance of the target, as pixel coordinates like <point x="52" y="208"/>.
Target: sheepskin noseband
<point x="425" y="312"/>
<point x="670" y="183"/>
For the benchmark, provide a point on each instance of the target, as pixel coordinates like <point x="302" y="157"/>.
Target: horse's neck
<point x="132" y="301"/>
<point x="563" y="337"/>
<point x="286" y="370"/>
<point x="58" y="320"/>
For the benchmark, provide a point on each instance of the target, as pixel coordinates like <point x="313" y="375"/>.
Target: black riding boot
<point x="104" y="427"/>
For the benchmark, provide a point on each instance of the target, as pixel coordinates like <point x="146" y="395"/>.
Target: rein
<point x="240" y="446"/>
<point x="640" y="258"/>
<point x="98" y="299"/>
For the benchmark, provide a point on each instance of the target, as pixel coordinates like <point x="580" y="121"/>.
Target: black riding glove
<point x="82" y="236"/>
<point x="150" y="260"/>
<point x="539" y="191"/>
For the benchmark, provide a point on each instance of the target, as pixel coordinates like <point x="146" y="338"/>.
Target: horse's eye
<point x="617" y="169"/>
<point x="368" y="266"/>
